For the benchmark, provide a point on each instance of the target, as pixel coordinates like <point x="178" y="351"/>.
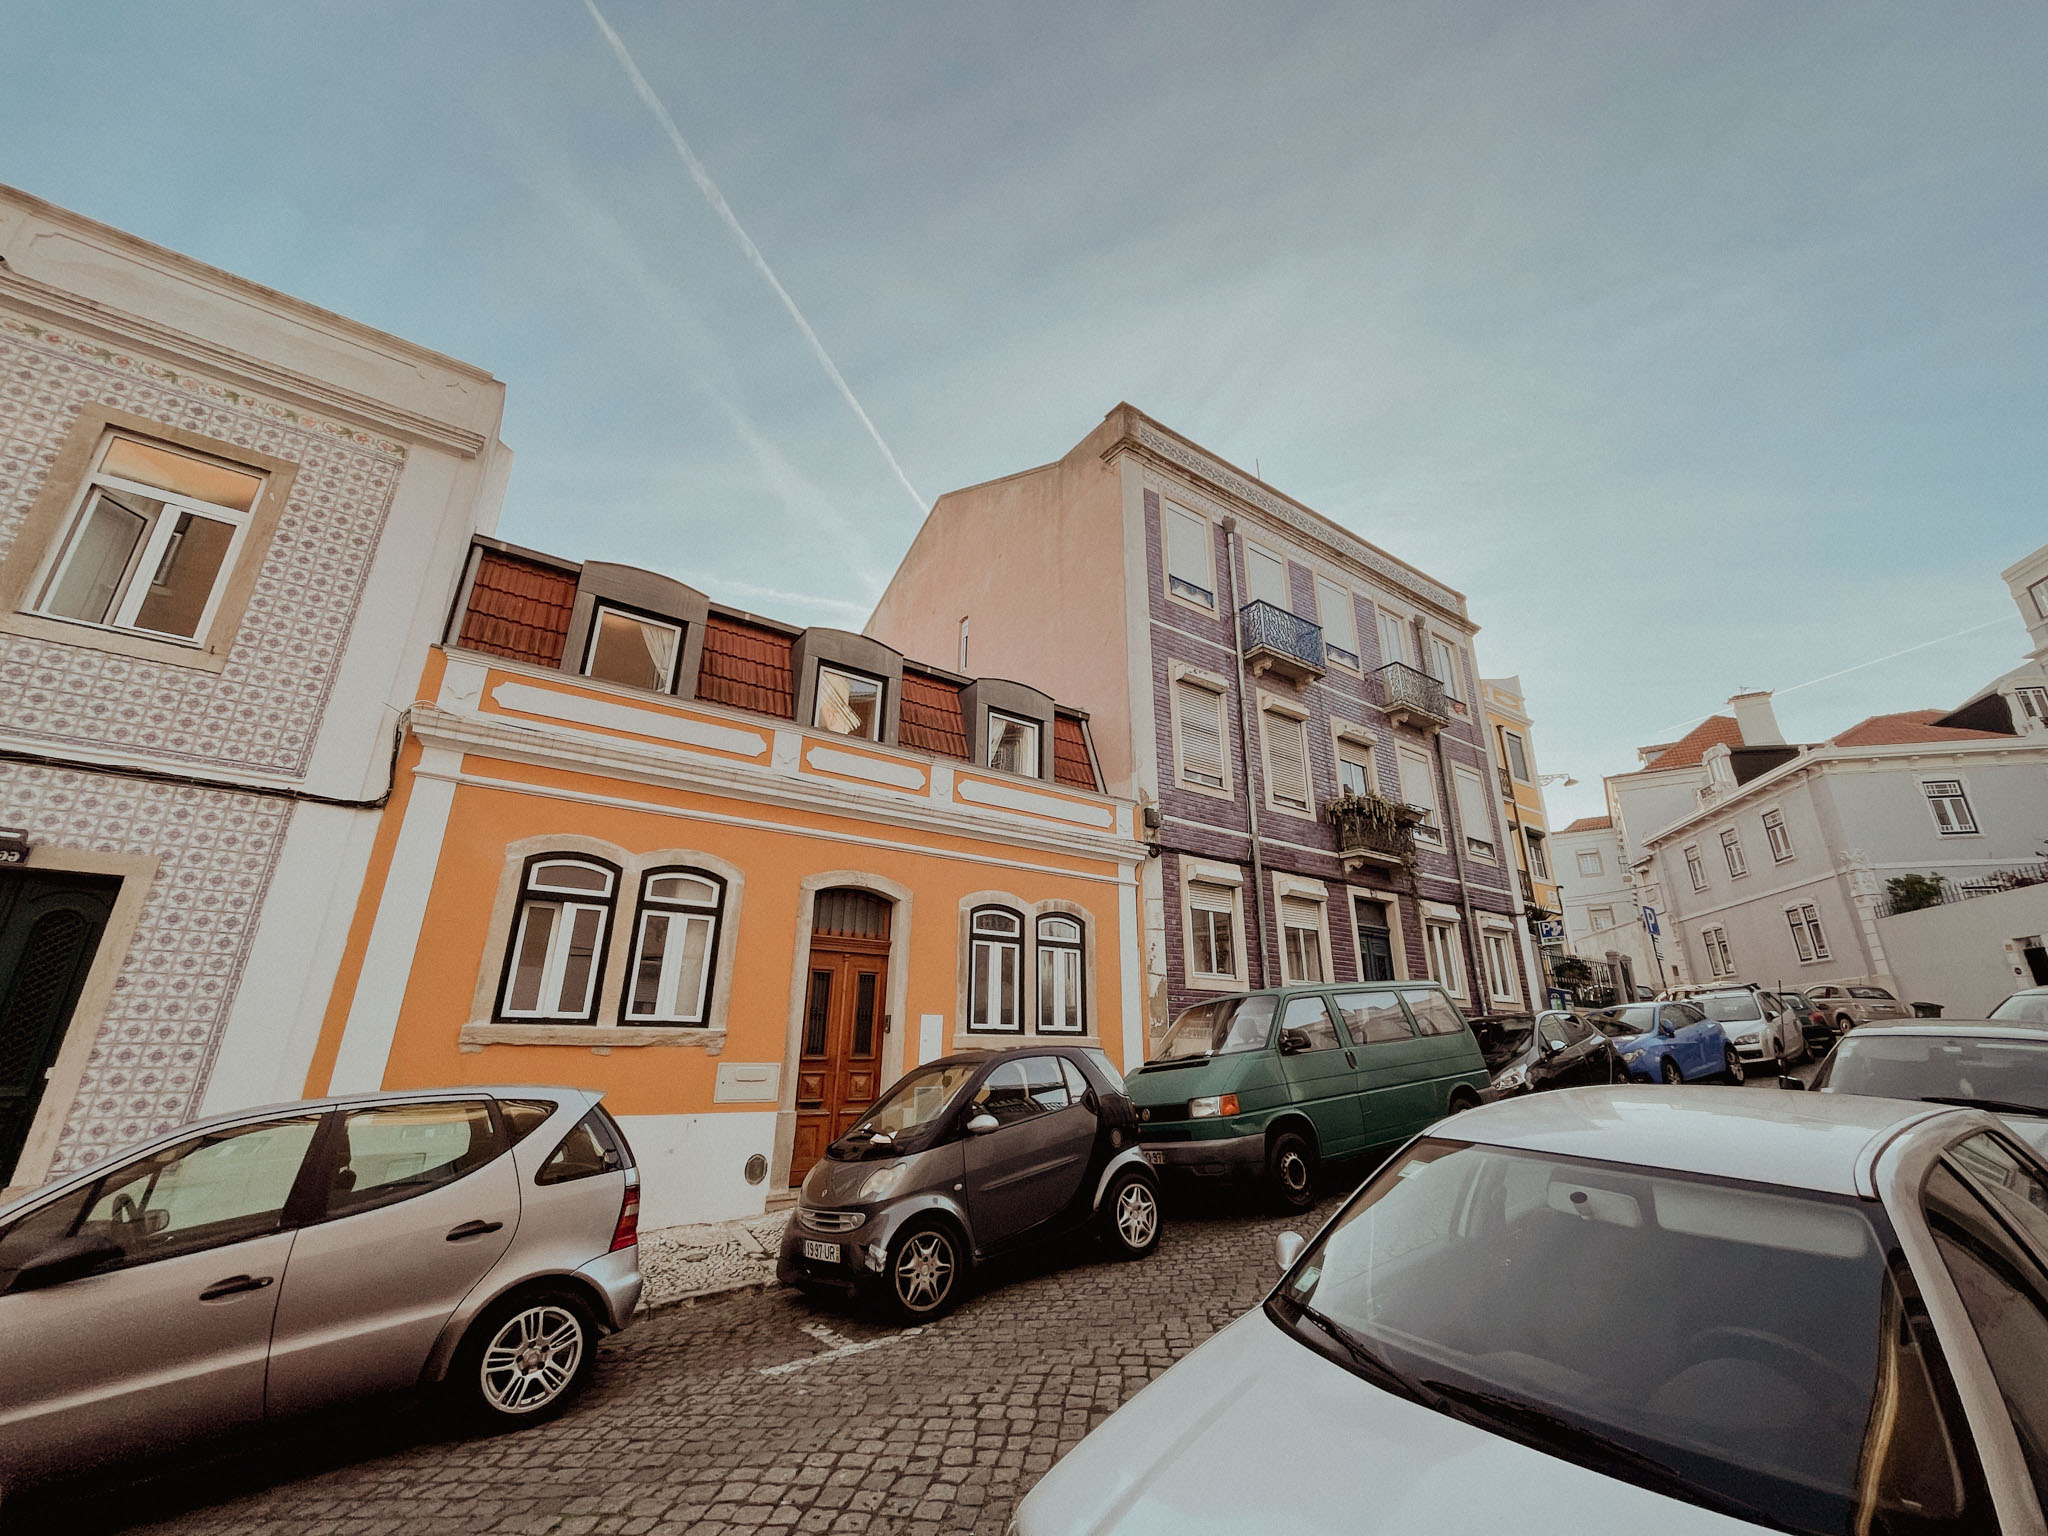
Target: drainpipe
<point x="1454" y="827"/>
<point x="1244" y="729"/>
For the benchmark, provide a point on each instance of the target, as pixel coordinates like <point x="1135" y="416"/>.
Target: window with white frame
<point x="2039" y="592"/>
<point x="963" y="645"/>
<point x="1393" y="636"/>
<point x="1778" y="835"/>
<point x="1444" y="666"/>
<point x="632" y="649"/>
<point x="553" y="966"/>
<point x="1590" y="866"/>
<point x="1500" y="964"/>
<point x="1198" y="733"/>
<point x="1418" y="788"/>
<point x="1517" y="754"/>
<point x="1731" y="850"/>
<point x="1475" y="814"/>
<point x="153" y="542"/>
<point x="1062" y="1005"/>
<point x="1354" y="768"/>
<point x="1715" y="942"/>
<point x="1012" y="744"/>
<point x="1950" y="805"/>
<point x="1190" y="554"/>
<point x="1539" y="853"/>
<point x="1265" y="578"/>
<point x="1600" y="917"/>
<point x="1301" y="931"/>
<point x="1440" y="941"/>
<point x="1339" y="619"/>
<point x="995" y="976"/>
<point x="1696" y="867"/>
<point x="1212" y="931"/>
<point x="675" y="948"/>
<point x="848" y="704"/>
<point x="1807" y="939"/>
<point x="2033" y="703"/>
<point x="1287" y="782"/>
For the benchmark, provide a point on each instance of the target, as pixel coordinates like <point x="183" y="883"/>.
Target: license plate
<point x="824" y="1253"/>
<point x="1156" y="1158"/>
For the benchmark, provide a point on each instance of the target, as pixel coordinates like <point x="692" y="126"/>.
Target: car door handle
<point x="1351" y="1057"/>
<point x="473" y="1229"/>
<point x="234" y="1285"/>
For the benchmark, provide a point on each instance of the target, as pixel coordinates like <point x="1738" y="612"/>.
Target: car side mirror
<point x="68" y="1258"/>
<point x="1790" y="1083"/>
<point x="983" y="1123"/>
<point x="1287" y="1248"/>
<point x="1553" y="1046"/>
<point x="1666" y="1031"/>
<point x="1293" y="1042"/>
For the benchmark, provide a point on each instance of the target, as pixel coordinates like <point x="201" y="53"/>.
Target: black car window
<point x="2001" y="1176"/>
<point x="1307" y="1019"/>
<point x="1006" y="1094"/>
<point x="593" y="1146"/>
<point x="523" y="1117"/>
<point x="1689" y="1014"/>
<point x="1077" y="1083"/>
<point x="1576" y="1030"/>
<point x="1374" y="1018"/>
<point x="1046" y="1084"/>
<point x="391" y="1152"/>
<point x="1107" y="1068"/>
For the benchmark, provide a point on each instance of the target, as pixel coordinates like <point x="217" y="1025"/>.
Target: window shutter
<point x="1417" y="787"/>
<point x="1209" y="898"/>
<point x="1339" y="618"/>
<point x="1287" y="759"/>
<point x="1472" y="809"/>
<point x="1201" y="733"/>
<point x="1267" y="577"/>
<point x="1300" y="912"/>
<point x="1187" y="548"/>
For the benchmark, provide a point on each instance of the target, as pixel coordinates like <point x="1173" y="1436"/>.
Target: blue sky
<point x="1701" y="345"/>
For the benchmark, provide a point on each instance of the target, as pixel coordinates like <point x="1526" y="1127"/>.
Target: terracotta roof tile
<point x="1070" y="764"/>
<point x="1906" y="728"/>
<point x="747" y="667"/>
<point x="518" y="608"/>
<point x="931" y="720"/>
<point x="1591" y="824"/>
<point x="1714" y="731"/>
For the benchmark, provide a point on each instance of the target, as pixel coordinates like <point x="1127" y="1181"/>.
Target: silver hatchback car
<point x="251" y="1266"/>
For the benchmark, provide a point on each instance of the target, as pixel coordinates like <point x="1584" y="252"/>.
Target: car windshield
<point x="1219" y="1028"/>
<point x="2026" y="1007"/>
<point x="1771" y="1377"/>
<point x="1729" y="1007"/>
<point x="1622" y="1023"/>
<point x="2011" y="1073"/>
<point x="1502" y="1040"/>
<point x="917" y="1102"/>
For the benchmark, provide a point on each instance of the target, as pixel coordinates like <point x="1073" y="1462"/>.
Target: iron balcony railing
<point x="1284" y="638"/>
<point x="1528" y="885"/>
<point x="1402" y="687"/>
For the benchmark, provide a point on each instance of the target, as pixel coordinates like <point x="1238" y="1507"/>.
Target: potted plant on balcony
<point x="1369" y="823"/>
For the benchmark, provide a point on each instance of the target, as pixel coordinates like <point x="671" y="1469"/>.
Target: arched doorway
<point x="839" y="1067"/>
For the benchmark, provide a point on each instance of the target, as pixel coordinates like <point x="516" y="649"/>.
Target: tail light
<point x="627" y="1232"/>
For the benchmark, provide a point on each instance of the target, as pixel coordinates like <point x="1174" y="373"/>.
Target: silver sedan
<point x="252" y="1266"/>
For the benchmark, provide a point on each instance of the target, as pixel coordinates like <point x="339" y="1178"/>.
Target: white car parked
<point x="1617" y="1310"/>
<point x="1760" y="1025"/>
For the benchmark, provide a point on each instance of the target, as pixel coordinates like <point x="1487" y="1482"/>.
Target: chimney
<point x="1756" y="720"/>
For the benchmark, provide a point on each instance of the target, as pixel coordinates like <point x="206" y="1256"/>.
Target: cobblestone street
<point x="752" y="1413"/>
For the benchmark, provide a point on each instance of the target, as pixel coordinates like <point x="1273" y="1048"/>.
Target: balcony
<point x="1372" y="831"/>
<point x="1412" y="698"/>
<point x="1279" y="642"/>
<point x="1528" y="885"/>
<point x="1507" y="785"/>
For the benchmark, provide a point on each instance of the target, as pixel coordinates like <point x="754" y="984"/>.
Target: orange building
<point x="737" y="874"/>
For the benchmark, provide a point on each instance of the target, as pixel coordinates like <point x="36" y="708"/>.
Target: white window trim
<point x="1021" y="998"/>
<point x="1521" y="741"/>
<point x="1432" y="834"/>
<point x="1228" y="878"/>
<point x="1720" y="959"/>
<point x="1350" y="734"/>
<point x="818" y="700"/>
<point x="1078" y="948"/>
<point x="1491" y="934"/>
<point x="1804" y="919"/>
<point x="675" y="658"/>
<point x="1599" y="869"/>
<point x="1315" y="891"/>
<point x="1337" y="653"/>
<point x="1286" y="709"/>
<point x="1777" y="832"/>
<point x="1453" y="663"/>
<point x="1460" y="774"/>
<point x="1695" y="866"/>
<point x="1182" y="672"/>
<point x="1382" y="614"/>
<point x="1253" y="547"/>
<point x="1962" y="793"/>
<point x="1732" y="854"/>
<point x="1037" y="743"/>
<point x="1447" y="932"/>
<point x="645" y="907"/>
<point x="1167" y="507"/>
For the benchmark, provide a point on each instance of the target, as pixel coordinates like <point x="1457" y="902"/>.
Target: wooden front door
<point x="839" y="1070"/>
<point x="50" y="926"/>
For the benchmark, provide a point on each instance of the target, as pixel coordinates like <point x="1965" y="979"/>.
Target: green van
<point x="1270" y="1085"/>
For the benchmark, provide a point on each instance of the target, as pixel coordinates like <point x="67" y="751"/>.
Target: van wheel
<point x="1461" y="1100"/>
<point x="924" y="1272"/>
<point x="1291" y="1171"/>
<point x="523" y="1360"/>
<point x="1130" y="1216"/>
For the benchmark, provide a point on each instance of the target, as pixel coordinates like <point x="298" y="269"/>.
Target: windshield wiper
<point x="1373" y="1365"/>
<point x="1994" y="1106"/>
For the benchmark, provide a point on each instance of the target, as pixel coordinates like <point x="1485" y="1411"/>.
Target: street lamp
<point x="1552" y="778"/>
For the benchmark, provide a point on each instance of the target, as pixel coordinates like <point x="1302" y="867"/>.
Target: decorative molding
<point x="1029" y="802"/>
<point x="579" y="709"/>
<point x="475" y="1037"/>
<point x="856" y="765"/>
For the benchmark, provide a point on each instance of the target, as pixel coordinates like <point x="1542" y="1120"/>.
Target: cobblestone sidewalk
<point x="683" y="1263"/>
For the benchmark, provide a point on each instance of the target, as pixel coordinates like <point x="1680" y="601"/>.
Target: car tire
<point x="524" y="1358"/>
<point x="1130" y="1215"/>
<point x="1843" y="1024"/>
<point x="926" y="1266"/>
<point x="1733" y="1071"/>
<point x="1291" y="1171"/>
<point x="1667" y="1069"/>
<point x="1461" y="1099"/>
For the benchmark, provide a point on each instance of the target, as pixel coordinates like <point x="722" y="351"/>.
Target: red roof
<point x="746" y="666"/>
<point x="931" y="720"/>
<point x="1591" y="824"/>
<point x="518" y="608"/>
<point x="1714" y="731"/>
<point x="1904" y="729"/>
<point x="1070" y="763"/>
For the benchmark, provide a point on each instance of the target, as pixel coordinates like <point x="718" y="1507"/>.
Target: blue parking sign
<point x="1650" y="921"/>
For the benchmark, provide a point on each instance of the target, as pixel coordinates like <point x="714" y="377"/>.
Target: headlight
<point x="1634" y="1055"/>
<point x="1205" y="1109"/>
<point x="881" y="1184"/>
<point x="1748" y="1039"/>
<point x="1515" y="1077"/>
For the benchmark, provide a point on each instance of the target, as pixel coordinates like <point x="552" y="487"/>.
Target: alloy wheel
<point x="1734" y="1067"/>
<point x="1137" y="1214"/>
<point x="924" y="1271"/>
<point x="532" y="1359"/>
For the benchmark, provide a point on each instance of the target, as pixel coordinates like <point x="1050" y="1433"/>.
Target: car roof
<point x="2011" y="1029"/>
<point x="1819" y="1141"/>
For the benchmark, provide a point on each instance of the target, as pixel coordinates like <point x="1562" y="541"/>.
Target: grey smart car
<point x="967" y="1157"/>
<point x="251" y="1266"/>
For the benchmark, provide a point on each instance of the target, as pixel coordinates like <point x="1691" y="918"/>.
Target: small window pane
<point x="636" y="652"/>
<point x="585" y="924"/>
<point x="395" y="1152"/>
<point x="559" y="876"/>
<point x="532" y="957"/>
<point x="1309" y="1019"/>
<point x="1006" y="1094"/>
<point x="1046" y="1084"/>
<point x="864" y="1014"/>
<point x="1434" y="1013"/>
<point x="996" y="922"/>
<point x="1012" y="745"/>
<point x="582" y="1154"/>
<point x="1077" y="1084"/>
<point x="817" y="1013"/>
<point x="109" y="537"/>
<point x="186" y="575"/>
<point x="182" y="474"/>
<point x="682" y="888"/>
<point x="848" y="704"/>
<point x="1059" y="930"/>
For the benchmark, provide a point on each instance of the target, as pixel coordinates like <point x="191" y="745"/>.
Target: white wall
<point x="1965" y="955"/>
<point x="693" y="1167"/>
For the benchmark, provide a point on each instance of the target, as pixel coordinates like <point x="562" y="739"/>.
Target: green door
<point x="50" y="926"/>
<point x="1320" y="1076"/>
<point x="1397" y="1068"/>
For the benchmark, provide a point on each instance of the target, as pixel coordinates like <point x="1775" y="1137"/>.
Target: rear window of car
<point x="1729" y="1007"/>
<point x="523" y="1117"/>
<point x="594" y="1145"/>
<point x="1877" y="992"/>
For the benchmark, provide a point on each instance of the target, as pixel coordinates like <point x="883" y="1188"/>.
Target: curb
<point x="709" y="1293"/>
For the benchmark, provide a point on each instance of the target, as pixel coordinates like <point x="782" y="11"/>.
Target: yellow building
<point x="736" y="874"/>
<point x="1521" y="795"/>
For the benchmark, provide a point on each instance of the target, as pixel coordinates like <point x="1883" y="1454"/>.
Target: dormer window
<point x="630" y="649"/>
<point x="1720" y="765"/>
<point x="849" y="704"/>
<point x="1012" y="744"/>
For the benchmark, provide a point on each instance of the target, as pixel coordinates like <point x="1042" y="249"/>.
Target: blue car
<point x="1668" y="1042"/>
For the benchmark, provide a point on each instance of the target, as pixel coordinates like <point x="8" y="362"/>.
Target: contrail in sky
<point x="724" y="211"/>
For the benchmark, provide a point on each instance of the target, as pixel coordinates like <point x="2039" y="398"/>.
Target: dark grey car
<point x="967" y="1157"/>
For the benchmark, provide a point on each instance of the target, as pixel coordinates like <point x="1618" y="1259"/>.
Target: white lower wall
<point x="693" y="1167"/>
<point x="1965" y="956"/>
